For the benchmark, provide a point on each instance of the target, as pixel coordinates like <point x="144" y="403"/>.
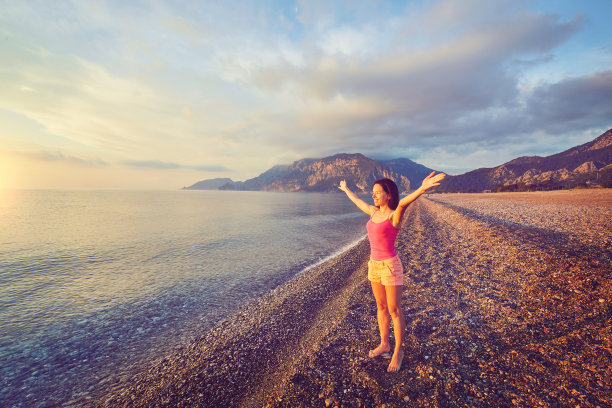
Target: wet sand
<point x="507" y="300"/>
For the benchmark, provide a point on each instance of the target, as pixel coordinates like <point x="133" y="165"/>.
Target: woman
<point x="385" y="270"/>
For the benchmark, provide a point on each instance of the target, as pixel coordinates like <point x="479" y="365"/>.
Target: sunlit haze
<point x="159" y="95"/>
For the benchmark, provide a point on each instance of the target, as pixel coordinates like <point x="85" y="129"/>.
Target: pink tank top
<point x="382" y="237"/>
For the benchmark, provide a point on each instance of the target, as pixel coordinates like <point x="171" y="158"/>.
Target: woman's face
<point x="379" y="195"/>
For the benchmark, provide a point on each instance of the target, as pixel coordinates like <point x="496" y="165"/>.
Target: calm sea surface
<point x="95" y="283"/>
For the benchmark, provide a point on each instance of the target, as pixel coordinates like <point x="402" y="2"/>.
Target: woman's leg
<point x="394" y="303"/>
<point x="380" y="295"/>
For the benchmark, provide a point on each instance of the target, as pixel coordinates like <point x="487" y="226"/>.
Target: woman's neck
<point x="384" y="209"/>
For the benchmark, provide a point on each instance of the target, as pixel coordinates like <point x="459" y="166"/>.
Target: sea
<point x="95" y="285"/>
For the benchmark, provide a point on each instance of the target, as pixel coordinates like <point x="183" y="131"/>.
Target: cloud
<point x="440" y="93"/>
<point x="573" y="103"/>
<point x="117" y="115"/>
<point x="160" y="165"/>
<point x="57" y="157"/>
<point x="153" y="164"/>
<point x="211" y="168"/>
<point x="78" y="100"/>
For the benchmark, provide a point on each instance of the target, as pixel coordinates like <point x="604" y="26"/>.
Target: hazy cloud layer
<point x="214" y="88"/>
<point x="59" y="157"/>
<point x="159" y="165"/>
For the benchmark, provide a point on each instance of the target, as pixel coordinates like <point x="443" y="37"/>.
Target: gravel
<point x="507" y="300"/>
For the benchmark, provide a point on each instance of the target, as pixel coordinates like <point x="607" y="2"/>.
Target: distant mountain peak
<point x="583" y="165"/>
<point x="210" y="184"/>
<point x="524" y="160"/>
<point x="601" y="142"/>
<point x="324" y="174"/>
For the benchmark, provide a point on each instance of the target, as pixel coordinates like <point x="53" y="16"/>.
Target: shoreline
<point x="497" y="315"/>
<point x="246" y="346"/>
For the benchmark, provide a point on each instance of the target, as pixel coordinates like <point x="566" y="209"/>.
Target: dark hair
<point x="390" y="188"/>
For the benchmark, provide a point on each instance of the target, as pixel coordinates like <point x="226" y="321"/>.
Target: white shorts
<point x="388" y="272"/>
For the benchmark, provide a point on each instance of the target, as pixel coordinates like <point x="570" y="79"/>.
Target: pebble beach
<point x="507" y="299"/>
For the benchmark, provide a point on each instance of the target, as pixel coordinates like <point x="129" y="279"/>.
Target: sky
<point x="162" y="94"/>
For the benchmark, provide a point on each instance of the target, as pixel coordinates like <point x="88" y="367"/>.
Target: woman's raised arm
<point x="430" y="181"/>
<point x="363" y="206"/>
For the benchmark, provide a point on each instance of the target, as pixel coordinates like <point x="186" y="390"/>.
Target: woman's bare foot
<point x="396" y="361"/>
<point x="383" y="348"/>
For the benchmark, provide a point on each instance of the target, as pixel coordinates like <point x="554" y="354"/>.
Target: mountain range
<point x="589" y="164"/>
<point x="324" y="175"/>
<point x="586" y="165"/>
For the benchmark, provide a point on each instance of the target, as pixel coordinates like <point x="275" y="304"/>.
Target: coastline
<point x="246" y="350"/>
<point x="498" y="314"/>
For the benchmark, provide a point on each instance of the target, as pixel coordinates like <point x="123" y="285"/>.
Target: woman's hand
<point x="343" y="186"/>
<point x="432" y="180"/>
<point x="363" y="206"/>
